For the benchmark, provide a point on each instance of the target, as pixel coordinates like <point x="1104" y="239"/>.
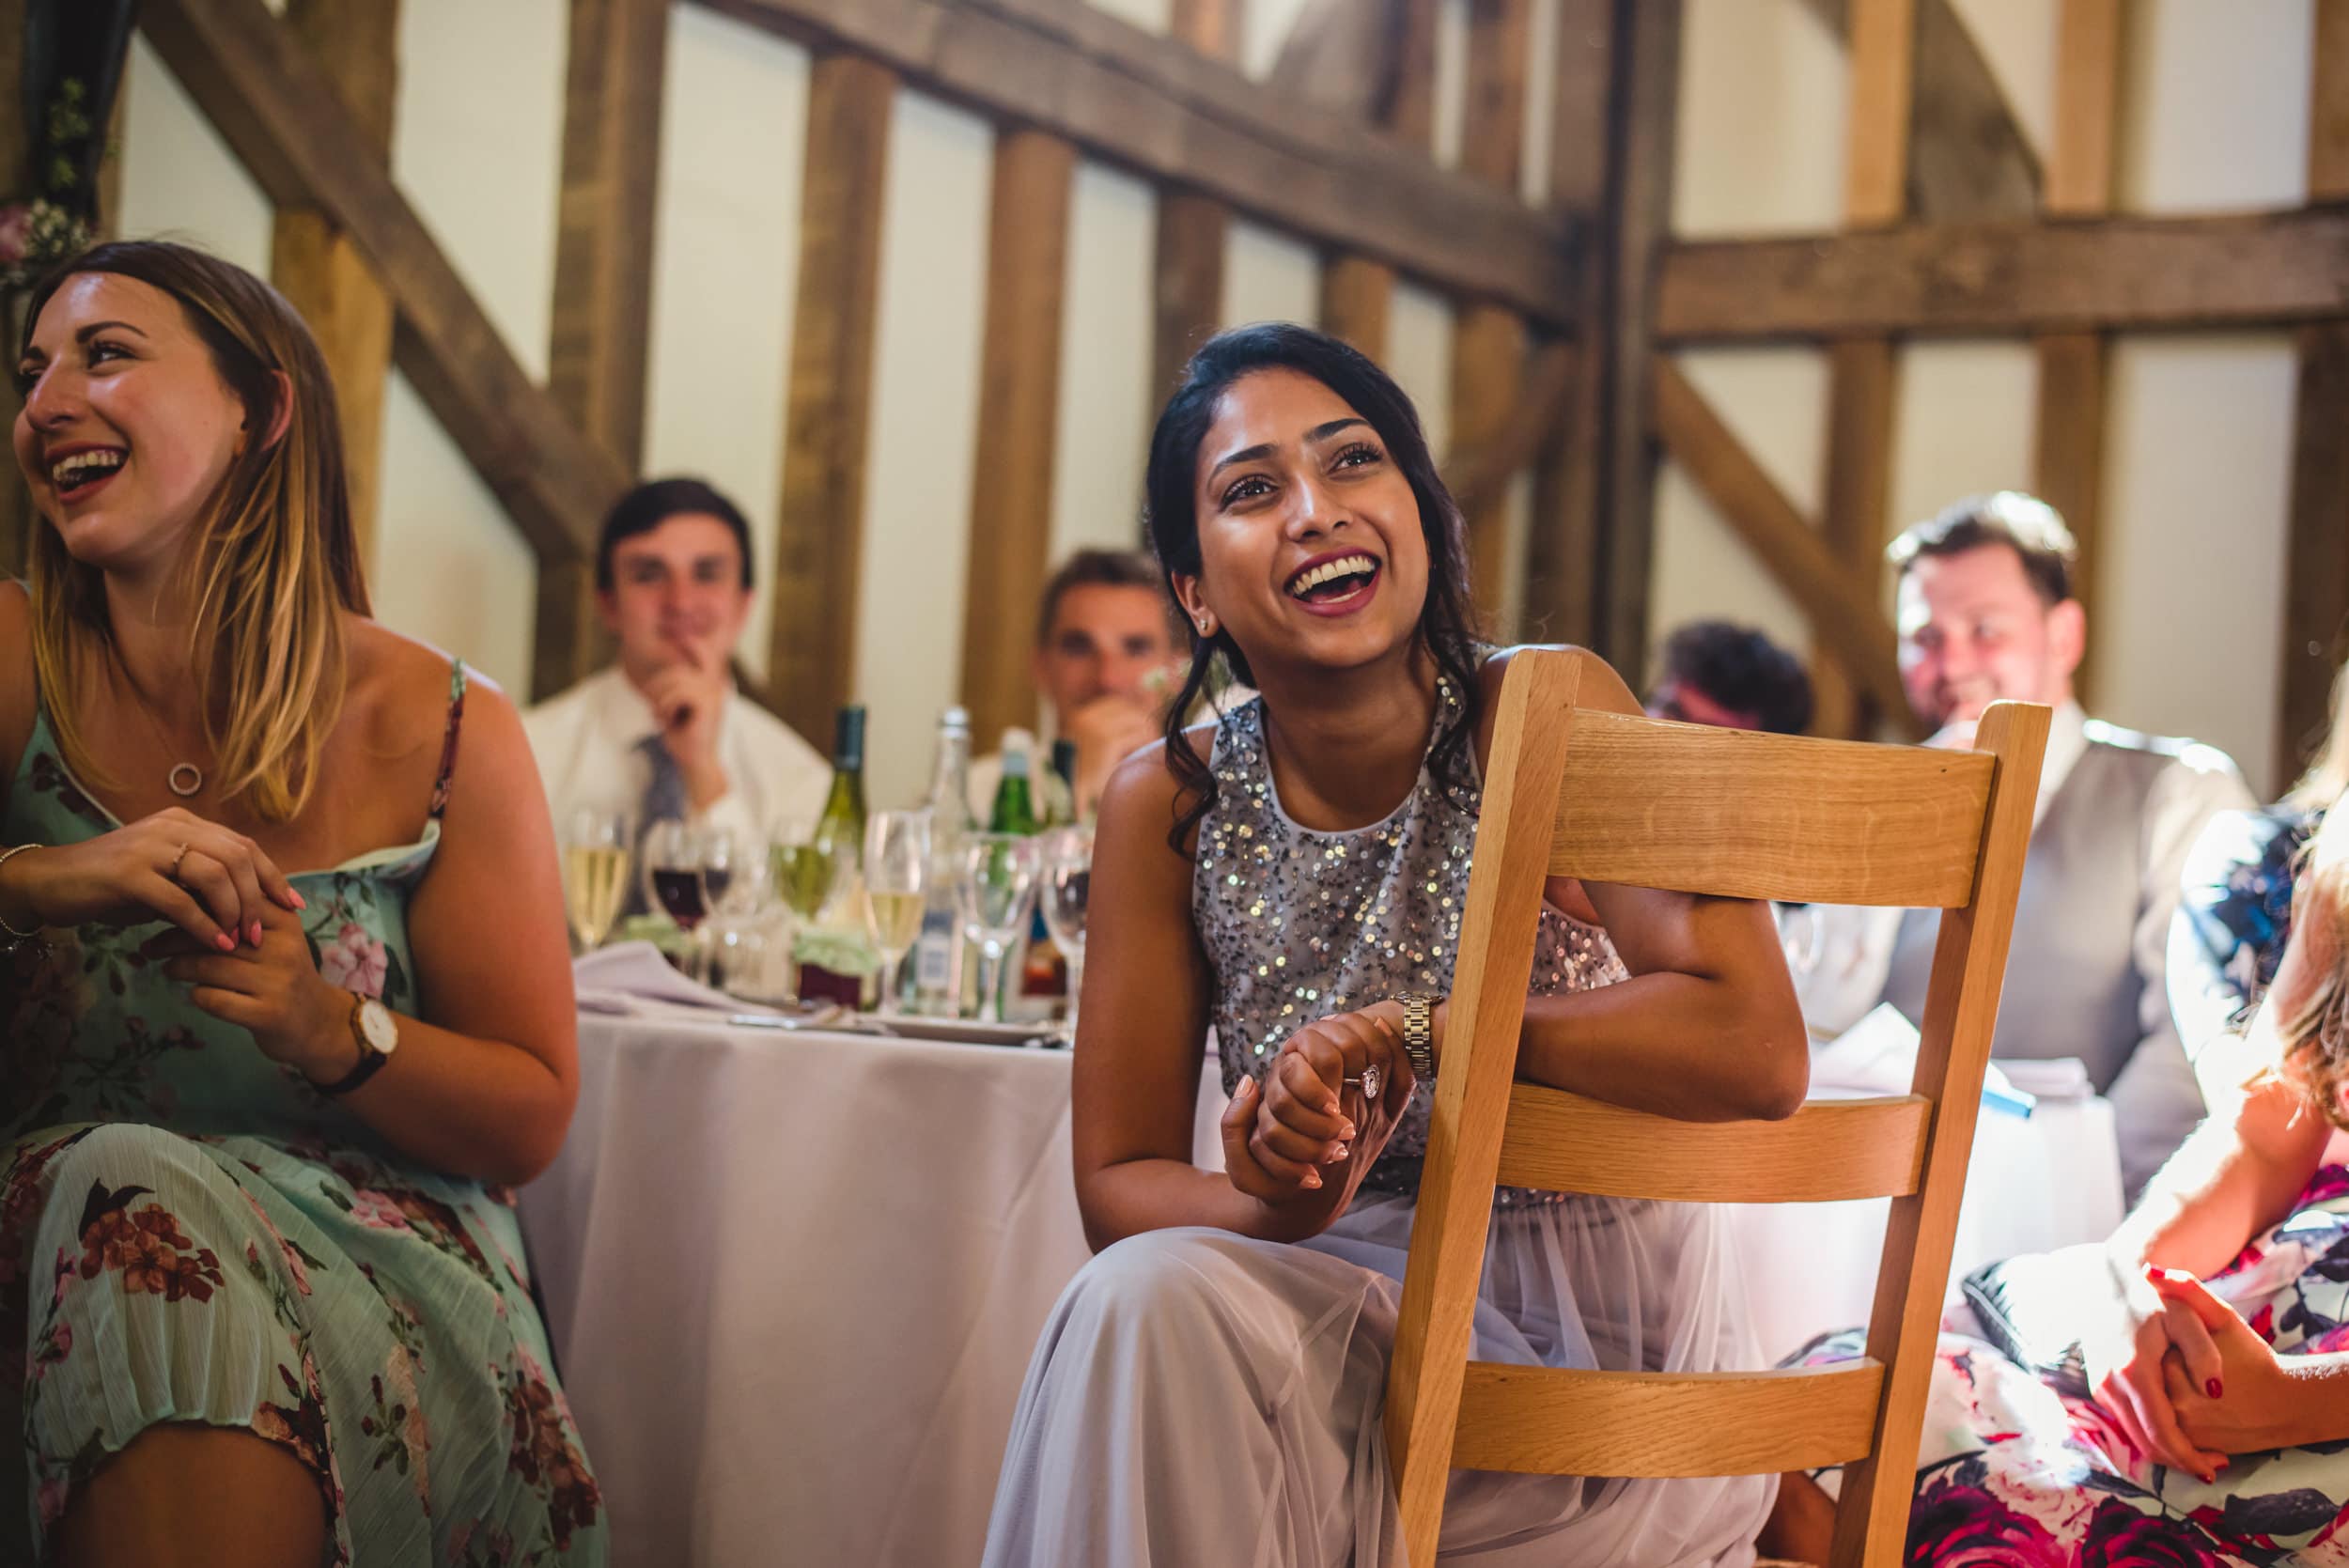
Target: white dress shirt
<point x="585" y="742"/>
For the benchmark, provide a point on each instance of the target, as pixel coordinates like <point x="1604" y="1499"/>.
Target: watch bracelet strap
<point x="1419" y="1033"/>
<point x="371" y="1060"/>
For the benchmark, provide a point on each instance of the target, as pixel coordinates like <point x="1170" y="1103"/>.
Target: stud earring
<point x="1207" y="626"/>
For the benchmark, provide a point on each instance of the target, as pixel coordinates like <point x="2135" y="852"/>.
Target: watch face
<point x="375" y="1022"/>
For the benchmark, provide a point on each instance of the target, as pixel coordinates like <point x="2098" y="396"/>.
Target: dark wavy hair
<point x="1447" y="621"/>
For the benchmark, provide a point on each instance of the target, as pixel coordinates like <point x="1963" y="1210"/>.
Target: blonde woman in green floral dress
<point x="262" y="1294"/>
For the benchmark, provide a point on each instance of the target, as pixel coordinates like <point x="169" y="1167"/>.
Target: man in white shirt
<point x="663" y="733"/>
<point x="1986" y="612"/>
<point x="1107" y="659"/>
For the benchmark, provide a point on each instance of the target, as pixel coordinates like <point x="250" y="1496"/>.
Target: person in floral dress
<point x="262" y="1290"/>
<point x="2205" y="1418"/>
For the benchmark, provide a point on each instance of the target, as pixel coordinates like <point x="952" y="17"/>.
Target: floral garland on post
<point x="73" y="60"/>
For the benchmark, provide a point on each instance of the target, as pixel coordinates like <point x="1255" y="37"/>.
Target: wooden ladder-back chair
<point x="1578" y="791"/>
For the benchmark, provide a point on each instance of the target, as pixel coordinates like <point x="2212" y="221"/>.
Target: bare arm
<point x="1141" y="1027"/>
<point x="1706" y="1029"/>
<point x="2240" y="1172"/>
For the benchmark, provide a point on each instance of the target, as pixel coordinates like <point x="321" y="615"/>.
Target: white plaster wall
<point x="1964" y="422"/>
<point x="180" y="180"/>
<point x="921" y="450"/>
<point x="1760" y="143"/>
<point x="477" y="145"/>
<point x="725" y="276"/>
<point x="1418" y="357"/>
<point x="1268" y="276"/>
<point x="1775" y="400"/>
<point x="1107" y="402"/>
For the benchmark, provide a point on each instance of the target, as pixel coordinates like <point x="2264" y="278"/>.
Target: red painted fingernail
<point x="256" y="933"/>
<point x="2155" y="1273"/>
<point x="300" y="902"/>
<point x="2213" y="1389"/>
<point x="225" y="943"/>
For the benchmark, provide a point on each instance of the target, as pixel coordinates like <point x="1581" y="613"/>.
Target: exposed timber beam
<point x="819" y="527"/>
<point x="1193" y="230"/>
<point x="1964" y="280"/>
<point x="1161" y="109"/>
<point x="1011" y="491"/>
<point x="316" y="266"/>
<point x="2068" y="444"/>
<point x="1967" y="158"/>
<point x="2315" y="610"/>
<point x="253" y="81"/>
<point x="1844" y="618"/>
<point x="1478" y="477"/>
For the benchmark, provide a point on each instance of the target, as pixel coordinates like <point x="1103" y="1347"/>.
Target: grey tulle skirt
<point x="1199" y="1400"/>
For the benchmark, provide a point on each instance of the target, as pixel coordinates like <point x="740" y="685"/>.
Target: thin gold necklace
<point x="185" y="779"/>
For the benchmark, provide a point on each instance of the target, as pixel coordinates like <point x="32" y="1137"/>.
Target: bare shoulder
<point x="1598" y="684"/>
<point x="1144" y="798"/>
<point x="17" y="692"/>
<point x="399" y="704"/>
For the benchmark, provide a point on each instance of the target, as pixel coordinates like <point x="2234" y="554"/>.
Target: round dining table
<point x="794" y="1277"/>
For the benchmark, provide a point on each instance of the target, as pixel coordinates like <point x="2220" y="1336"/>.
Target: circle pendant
<point x="185" y="779"/>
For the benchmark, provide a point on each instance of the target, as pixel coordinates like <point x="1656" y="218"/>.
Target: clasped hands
<point x="1299" y="1140"/>
<point x="2192" y="1383"/>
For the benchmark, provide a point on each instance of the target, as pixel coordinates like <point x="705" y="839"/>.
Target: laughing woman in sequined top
<point x="1208" y="1389"/>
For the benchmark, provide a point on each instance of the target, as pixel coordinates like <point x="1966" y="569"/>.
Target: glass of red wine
<point x="673" y="877"/>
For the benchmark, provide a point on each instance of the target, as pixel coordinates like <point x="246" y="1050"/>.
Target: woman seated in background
<point x="257" y="1125"/>
<point x="1209" y="1389"/>
<point x="2188" y="1402"/>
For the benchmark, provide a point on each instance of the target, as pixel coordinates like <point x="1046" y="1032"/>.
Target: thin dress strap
<point x="448" y="743"/>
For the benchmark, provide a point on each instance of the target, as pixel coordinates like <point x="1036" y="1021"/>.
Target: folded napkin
<point x="633" y="979"/>
<point x="1878" y="1056"/>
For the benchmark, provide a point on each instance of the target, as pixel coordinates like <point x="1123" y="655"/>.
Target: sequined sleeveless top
<point x="1298" y="925"/>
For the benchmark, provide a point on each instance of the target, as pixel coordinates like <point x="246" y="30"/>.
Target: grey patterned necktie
<point x="664" y="800"/>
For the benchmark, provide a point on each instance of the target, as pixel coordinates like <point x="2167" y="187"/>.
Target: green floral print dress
<point x="189" y="1232"/>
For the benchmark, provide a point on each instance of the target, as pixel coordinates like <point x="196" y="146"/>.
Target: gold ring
<point x="172" y="874"/>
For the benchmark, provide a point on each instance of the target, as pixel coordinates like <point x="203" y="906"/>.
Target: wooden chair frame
<point x="1584" y="791"/>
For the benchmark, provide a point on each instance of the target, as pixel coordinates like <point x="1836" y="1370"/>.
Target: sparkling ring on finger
<point x="1370" y="1081"/>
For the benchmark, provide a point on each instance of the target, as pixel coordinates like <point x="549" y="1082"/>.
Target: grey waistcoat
<point x="2072" y="983"/>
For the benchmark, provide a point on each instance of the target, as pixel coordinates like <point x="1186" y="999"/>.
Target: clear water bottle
<point x="934" y="983"/>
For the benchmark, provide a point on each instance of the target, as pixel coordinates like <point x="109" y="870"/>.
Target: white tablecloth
<point x="794" y="1279"/>
<point x="2035" y="1184"/>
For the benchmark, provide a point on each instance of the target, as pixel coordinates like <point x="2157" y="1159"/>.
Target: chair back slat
<point x="1648" y="803"/>
<point x="1580" y="787"/>
<point x="1828" y="1151"/>
<point x="1545" y="1421"/>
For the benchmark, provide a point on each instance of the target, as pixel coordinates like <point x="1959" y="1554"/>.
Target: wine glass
<point x="1066" y="882"/>
<point x="803" y="870"/>
<point x="896" y="873"/>
<point x="594" y="872"/>
<point x="673" y="878"/>
<point x="997" y="891"/>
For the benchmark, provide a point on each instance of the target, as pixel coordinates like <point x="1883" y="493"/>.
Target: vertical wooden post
<point x="828" y="397"/>
<point x="1648" y="31"/>
<point x="1357" y="293"/>
<point x="1187" y="293"/>
<point x="1863" y="374"/>
<point x="17" y="519"/>
<point x="2068" y="450"/>
<point x="355" y="45"/>
<point x="600" y="338"/>
<point x="2316" y="574"/>
<point x="1489" y="343"/>
<point x="1562" y="557"/>
<point x="1011" y="493"/>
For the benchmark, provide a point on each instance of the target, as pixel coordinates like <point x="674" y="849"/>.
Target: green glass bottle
<point x="1015" y="801"/>
<point x="840" y="830"/>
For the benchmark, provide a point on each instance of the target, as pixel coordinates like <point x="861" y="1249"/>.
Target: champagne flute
<point x="1067" y="882"/>
<point x="594" y="872"/>
<point x="896" y="869"/>
<point x="997" y="891"/>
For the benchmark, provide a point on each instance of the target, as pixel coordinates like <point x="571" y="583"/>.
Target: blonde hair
<point x="2314" y="1031"/>
<point x="275" y="561"/>
<point x="2328" y="778"/>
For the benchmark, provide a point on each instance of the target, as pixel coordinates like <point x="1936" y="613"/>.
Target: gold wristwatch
<point x="1419" y="1032"/>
